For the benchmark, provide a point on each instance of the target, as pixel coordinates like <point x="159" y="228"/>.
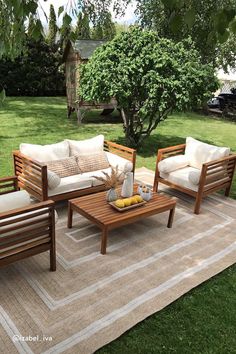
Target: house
<point x="75" y="54"/>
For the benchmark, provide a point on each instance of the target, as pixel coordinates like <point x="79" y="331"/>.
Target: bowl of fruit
<point x="128" y="203"/>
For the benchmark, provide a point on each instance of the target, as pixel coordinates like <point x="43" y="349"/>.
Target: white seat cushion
<point x="14" y="200"/>
<point x="199" y="153"/>
<point x="123" y="164"/>
<point x="173" y="163"/>
<point x="181" y="177"/>
<point x="71" y="183"/>
<point x="45" y="153"/>
<point x="86" y="147"/>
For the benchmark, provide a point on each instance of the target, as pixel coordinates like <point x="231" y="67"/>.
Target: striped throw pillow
<point x="93" y="162"/>
<point x="64" y="167"/>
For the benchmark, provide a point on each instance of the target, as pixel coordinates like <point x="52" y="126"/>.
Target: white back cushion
<point x="199" y="153"/>
<point x="14" y="200"/>
<point x="123" y="164"/>
<point x="86" y="147"/>
<point x="45" y="153"/>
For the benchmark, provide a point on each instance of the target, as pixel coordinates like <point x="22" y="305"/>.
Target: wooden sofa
<point x="26" y="231"/>
<point x="209" y="178"/>
<point x="32" y="175"/>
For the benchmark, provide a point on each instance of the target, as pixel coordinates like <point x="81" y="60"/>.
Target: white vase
<point x="128" y="185"/>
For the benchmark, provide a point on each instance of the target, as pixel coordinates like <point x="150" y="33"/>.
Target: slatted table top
<point x="97" y="209"/>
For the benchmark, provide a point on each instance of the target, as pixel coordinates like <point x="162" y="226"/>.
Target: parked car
<point x="224" y="101"/>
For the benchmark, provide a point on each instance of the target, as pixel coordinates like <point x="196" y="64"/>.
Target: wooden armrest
<point x="8" y="179"/>
<point x="220" y="162"/>
<point x="31" y="175"/>
<point x="8" y="184"/>
<point x="170" y="151"/>
<point x="217" y="172"/>
<point x="110" y="144"/>
<point x="17" y="153"/>
<point x="121" y="150"/>
<point x="33" y="207"/>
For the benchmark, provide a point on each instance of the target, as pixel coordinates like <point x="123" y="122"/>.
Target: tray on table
<point x="133" y="206"/>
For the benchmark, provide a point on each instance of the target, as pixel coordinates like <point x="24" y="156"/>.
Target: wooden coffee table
<point x="95" y="208"/>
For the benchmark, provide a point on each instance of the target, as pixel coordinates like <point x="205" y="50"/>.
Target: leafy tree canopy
<point x="15" y="13"/>
<point x="52" y="31"/>
<point x="209" y="23"/>
<point x="36" y="73"/>
<point x="149" y="76"/>
<point x="104" y="27"/>
<point x="83" y="27"/>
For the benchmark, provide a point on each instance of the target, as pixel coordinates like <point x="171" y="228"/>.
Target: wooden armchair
<point x="210" y="178"/>
<point x="32" y="175"/>
<point x="26" y="231"/>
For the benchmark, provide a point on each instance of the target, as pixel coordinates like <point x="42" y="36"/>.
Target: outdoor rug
<point x="92" y="299"/>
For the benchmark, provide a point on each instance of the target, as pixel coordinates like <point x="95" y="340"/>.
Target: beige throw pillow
<point x="93" y="162"/>
<point x="64" y="167"/>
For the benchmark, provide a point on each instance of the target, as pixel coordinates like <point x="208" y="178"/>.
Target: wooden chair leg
<point x="227" y="191"/>
<point x="155" y="185"/>
<point x="197" y="205"/>
<point x="53" y="259"/>
<point x="53" y="242"/>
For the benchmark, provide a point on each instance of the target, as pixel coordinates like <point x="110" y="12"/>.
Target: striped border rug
<point x="92" y="299"/>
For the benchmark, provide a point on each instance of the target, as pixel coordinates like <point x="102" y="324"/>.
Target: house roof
<point x="85" y="47"/>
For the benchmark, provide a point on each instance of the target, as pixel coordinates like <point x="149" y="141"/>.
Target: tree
<point x="35" y="73"/>
<point x="31" y="26"/>
<point x="52" y="30"/>
<point x="85" y="28"/>
<point x="207" y="22"/>
<point x="226" y="57"/>
<point x="104" y="27"/>
<point x="65" y="32"/>
<point x="109" y="29"/>
<point x="149" y="77"/>
<point x="78" y="28"/>
<point x="98" y="30"/>
<point x="14" y="14"/>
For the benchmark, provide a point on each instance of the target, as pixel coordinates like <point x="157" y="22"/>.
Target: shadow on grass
<point x="95" y="117"/>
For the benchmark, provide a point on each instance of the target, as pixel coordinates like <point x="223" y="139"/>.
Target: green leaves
<point x="233" y="26"/>
<point x="37" y="31"/>
<point x="148" y="76"/>
<point x="66" y="20"/>
<point x="60" y="10"/>
<point x="176" y="22"/>
<point x="189" y="17"/>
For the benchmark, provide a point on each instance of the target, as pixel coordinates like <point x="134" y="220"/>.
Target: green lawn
<point x="204" y="320"/>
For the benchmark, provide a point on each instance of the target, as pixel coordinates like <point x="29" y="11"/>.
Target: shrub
<point x="149" y="77"/>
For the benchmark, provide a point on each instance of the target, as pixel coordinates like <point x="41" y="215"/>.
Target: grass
<point x="202" y="321"/>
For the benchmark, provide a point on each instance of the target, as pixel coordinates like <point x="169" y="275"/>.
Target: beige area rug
<point x="92" y="299"/>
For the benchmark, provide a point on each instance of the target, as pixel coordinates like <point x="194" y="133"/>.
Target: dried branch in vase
<point x="110" y="180"/>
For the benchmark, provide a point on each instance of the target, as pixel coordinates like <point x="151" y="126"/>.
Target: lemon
<point x="139" y="198"/>
<point x="133" y="200"/>
<point x="127" y="202"/>
<point x="119" y="203"/>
